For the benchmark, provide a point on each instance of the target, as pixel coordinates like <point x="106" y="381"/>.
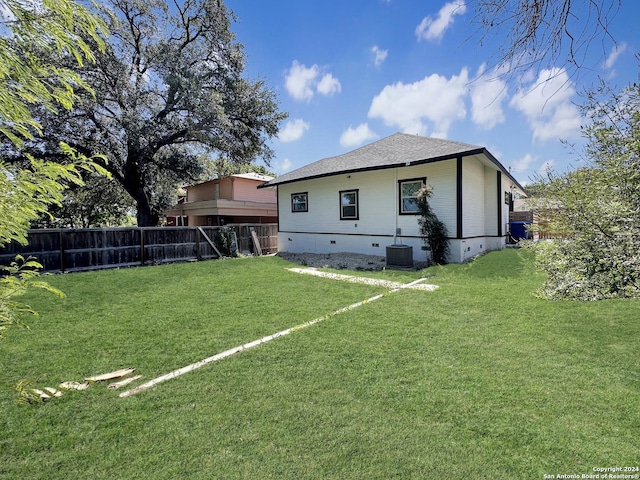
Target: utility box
<point x="519" y="231"/>
<point x="399" y="256"/>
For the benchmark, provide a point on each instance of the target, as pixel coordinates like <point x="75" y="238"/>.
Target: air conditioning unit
<point x="400" y="256"/>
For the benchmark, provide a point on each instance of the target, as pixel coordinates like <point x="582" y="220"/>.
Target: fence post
<point x="141" y="229"/>
<point x="198" y="256"/>
<point x="61" y="251"/>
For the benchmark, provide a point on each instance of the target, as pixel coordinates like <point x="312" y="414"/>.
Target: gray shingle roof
<point x="395" y="150"/>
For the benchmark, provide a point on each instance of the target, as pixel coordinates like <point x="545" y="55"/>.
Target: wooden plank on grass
<point x="70" y="385"/>
<point x="124" y="382"/>
<point x="110" y="376"/>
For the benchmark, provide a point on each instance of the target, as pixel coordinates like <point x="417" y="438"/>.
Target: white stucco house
<point x="364" y="200"/>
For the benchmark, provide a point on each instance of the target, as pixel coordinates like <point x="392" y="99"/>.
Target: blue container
<point x="519" y="230"/>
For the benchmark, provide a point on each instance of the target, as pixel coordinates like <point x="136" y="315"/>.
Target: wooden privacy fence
<point x="541" y="230"/>
<point x="69" y="250"/>
<point x="267" y="234"/>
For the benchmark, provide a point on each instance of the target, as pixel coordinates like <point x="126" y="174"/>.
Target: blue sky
<point x="350" y="72"/>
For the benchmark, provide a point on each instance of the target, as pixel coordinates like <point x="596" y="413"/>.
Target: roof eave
<point x="372" y="168"/>
<point x="474" y="151"/>
<point x="502" y="169"/>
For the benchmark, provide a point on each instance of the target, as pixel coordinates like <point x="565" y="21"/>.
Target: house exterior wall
<point x="320" y="230"/>
<point x="246" y="190"/>
<point x="227" y="200"/>
<point x="491" y="200"/>
<point x="203" y="191"/>
<point x="473" y="188"/>
<point x="230" y="188"/>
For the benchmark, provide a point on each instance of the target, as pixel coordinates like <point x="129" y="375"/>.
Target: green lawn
<point x="478" y="379"/>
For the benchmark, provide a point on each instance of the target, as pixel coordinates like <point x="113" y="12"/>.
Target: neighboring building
<point x="364" y="200"/>
<point x="232" y="199"/>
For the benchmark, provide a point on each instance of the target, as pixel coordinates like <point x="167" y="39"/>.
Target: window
<point x="409" y="195"/>
<point x="300" y="202"/>
<point x="349" y="205"/>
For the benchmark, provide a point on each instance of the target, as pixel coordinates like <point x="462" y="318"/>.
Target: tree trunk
<point x="131" y="180"/>
<point x="146" y="217"/>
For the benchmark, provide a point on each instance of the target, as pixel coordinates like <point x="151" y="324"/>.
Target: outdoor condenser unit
<point x="400" y="256"/>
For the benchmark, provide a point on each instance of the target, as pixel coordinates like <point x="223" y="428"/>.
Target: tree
<point x="540" y="33"/>
<point x="168" y="89"/>
<point x="26" y="193"/>
<point x="98" y="202"/>
<point x="27" y="190"/>
<point x="434" y="232"/>
<point x="222" y="167"/>
<point x="597" y="208"/>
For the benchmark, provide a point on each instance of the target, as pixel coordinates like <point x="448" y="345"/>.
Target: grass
<point x="478" y="379"/>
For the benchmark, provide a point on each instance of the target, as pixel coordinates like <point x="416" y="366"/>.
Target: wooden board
<point x="256" y="242"/>
<point x="210" y="242"/>
<point x="110" y="376"/>
<point x="124" y="382"/>
<point x="70" y="385"/>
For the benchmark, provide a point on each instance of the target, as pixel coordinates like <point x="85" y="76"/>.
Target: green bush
<point x="596" y="208"/>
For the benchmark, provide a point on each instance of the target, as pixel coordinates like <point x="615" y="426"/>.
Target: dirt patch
<point x="337" y="261"/>
<point x="341" y="261"/>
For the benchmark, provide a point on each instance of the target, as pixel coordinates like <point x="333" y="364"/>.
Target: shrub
<point x="434" y="233"/>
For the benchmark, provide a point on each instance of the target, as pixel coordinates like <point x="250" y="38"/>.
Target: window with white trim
<point x="349" y="205"/>
<point x="408" y="193"/>
<point x="300" y="202"/>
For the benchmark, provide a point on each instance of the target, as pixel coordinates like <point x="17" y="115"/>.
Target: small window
<point x="300" y="202"/>
<point x="349" y="205"/>
<point x="409" y="195"/>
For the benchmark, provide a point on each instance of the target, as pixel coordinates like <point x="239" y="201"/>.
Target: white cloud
<point x="380" y="55"/>
<point x="523" y="164"/>
<point x="284" y="166"/>
<point x="293" y="130"/>
<point x="329" y="85"/>
<point x="301" y="82"/>
<point x="434" y="98"/>
<point x="488" y="92"/>
<point x="616" y="51"/>
<point x="547" y="166"/>
<point x="546" y="104"/>
<point x="434" y="28"/>
<point x="352" y="137"/>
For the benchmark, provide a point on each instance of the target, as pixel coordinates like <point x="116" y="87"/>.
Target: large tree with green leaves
<point x="31" y="34"/>
<point x="596" y="209"/>
<point x="169" y="87"/>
